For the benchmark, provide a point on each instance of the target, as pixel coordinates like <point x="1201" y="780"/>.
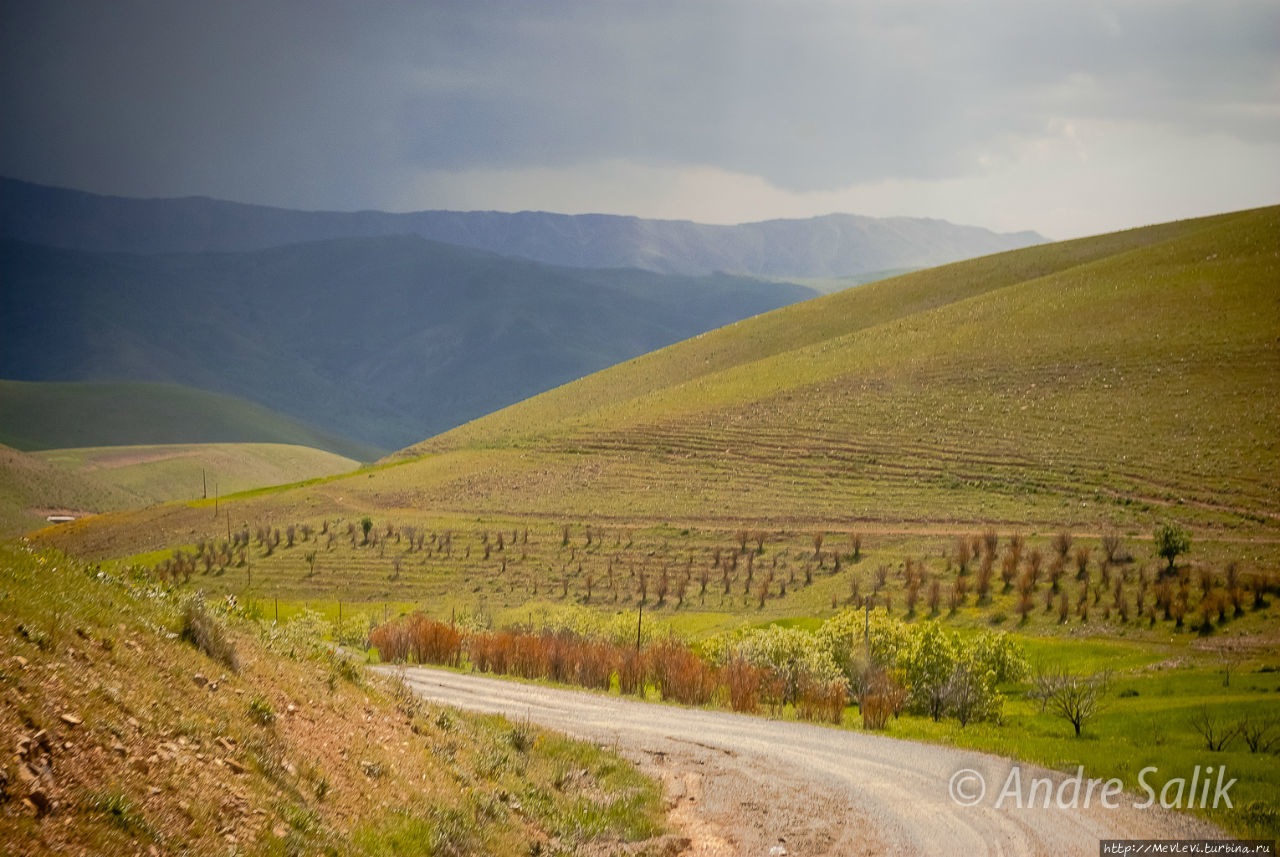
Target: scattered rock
<point x="226" y="743"/>
<point x="38" y="801"/>
<point x="280" y="831"/>
<point x="291" y="709"/>
<point x="20" y="661"/>
<point x="118" y="748"/>
<point x="133" y="721"/>
<point x="23" y="747"/>
<point x="200" y="680"/>
<point x="235" y="766"/>
<point x="153" y="851"/>
<point x="42" y="738"/>
<point x="70" y="719"/>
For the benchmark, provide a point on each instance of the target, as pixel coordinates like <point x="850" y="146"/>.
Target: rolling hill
<point x="1114" y="381"/>
<point x="32" y="489"/>
<point x="383" y="340"/>
<point x="39" y="416"/>
<point x="158" y="473"/>
<point x="92" y="480"/>
<point x="1047" y="384"/>
<point x="832" y="246"/>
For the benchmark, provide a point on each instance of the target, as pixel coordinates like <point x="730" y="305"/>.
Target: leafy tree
<point x="366" y="524"/>
<point x="790" y="654"/>
<point x="1171" y="542"/>
<point x="842" y="638"/>
<point x="927" y="660"/>
<point x="969" y="692"/>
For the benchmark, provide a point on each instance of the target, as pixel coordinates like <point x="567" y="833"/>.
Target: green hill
<point x="158" y="473"/>
<point x="92" y="480"/>
<point x="1115" y="381"/>
<point x="36" y="416"/>
<point x="383" y="340"/>
<point x="1047" y="384"/>
<point x="31" y="489"/>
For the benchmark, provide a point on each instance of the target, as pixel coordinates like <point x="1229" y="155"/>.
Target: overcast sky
<point x="1066" y="117"/>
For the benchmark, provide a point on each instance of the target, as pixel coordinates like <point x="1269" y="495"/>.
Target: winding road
<point x="742" y="785"/>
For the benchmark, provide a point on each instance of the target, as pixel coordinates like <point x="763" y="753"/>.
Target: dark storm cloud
<point x="336" y="103"/>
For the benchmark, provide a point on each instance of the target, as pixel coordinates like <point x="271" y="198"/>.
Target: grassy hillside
<point x="185" y="471"/>
<point x="41" y="416"/>
<point x="32" y="489"/>
<point x="1060" y="384"/>
<point x="1116" y="381"/>
<point x="384" y="340"/>
<point x="90" y="480"/>
<point x="135" y="723"/>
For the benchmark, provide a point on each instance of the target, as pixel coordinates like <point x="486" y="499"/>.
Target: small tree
<point x="968" y="692"/>
<point x="1172" y="541"/>
<point x="1215" y="733"/>
<point x="366" y="524"/>
<point x="928" y="660"/>
<point x="1074" y="697"/>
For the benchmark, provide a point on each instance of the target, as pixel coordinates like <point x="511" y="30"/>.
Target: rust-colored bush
<point x="419" y="639"/>
<point x="742" y="680"/>
<point x="881" y="697"/>
<point x="679" y="674"/>
<point x="631" y="673"/>
<point x="820" y="699"/>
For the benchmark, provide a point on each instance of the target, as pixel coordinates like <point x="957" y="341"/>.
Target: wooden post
<point x="639" y="622"/>
<point x="866" y="629"/>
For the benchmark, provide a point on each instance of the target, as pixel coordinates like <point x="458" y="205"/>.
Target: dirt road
<point x="743" y="785"/>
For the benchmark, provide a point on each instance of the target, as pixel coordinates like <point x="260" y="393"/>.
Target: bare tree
<point x="1215" y="733"/>
<point x="1074" y="697"/>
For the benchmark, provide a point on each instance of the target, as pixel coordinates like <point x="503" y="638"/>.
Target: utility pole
<point x="204" y="485"/>
<point x="866" y="628"/>
<point x="639" y="622"/>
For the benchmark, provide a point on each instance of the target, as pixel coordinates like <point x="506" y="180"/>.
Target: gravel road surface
<point x="742" y="785"/>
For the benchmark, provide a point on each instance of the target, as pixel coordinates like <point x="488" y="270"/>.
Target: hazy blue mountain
<point x="383" y="340"/>
<point x="836" y="245"/>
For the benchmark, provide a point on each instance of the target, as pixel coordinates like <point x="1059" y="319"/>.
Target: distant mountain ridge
<point x="382" y="340"/>
<point x="829" y="246"/>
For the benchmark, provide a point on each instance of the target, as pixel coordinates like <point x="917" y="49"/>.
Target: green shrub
<point x="260" y="711"/>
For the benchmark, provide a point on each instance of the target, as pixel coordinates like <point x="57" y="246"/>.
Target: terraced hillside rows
<point x="1117" y="381"/>
<point x="1061" y="384"/>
